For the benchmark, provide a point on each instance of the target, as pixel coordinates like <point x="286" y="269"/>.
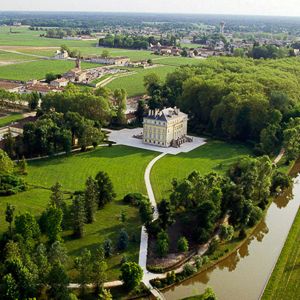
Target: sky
<point x="239" y="7"/>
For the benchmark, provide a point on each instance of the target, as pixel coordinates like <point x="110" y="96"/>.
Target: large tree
<point x="105" y="189"/>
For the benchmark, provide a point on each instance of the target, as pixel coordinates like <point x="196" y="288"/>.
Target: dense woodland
<point x="248" y="100"/>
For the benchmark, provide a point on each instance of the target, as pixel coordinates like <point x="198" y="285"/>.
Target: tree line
<point x="254" y="101"/>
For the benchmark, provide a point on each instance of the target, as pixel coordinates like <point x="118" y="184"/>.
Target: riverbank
<point x="243" y="271"/>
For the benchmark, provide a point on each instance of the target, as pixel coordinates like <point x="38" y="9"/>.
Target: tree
<point x="141" y="110"/>
<point x="58" y="281"/>
<point x="22" y="165"/>
<point x="146" y="212"/>
<point x="183" y="244"/>
<point x="120" y="98"/>
<point x="27" y="226"/>
<point x="53" y="221"/>
<point x="6" y="164"/>
<point x="226" y="232"/>
<point x="57" y="196"/>
<point x="104" y="294"/>
<point x="42" y="263"/>
<point x="99" y="269"/>
<point x="131" y="275"/>
<point x="58" y="253"/>
<point x="105" y="54"/>
<point x="33" y="100"/>
<point x="162" y="244"/>
<point x="105" y="189"/>
<point x="208" y="295"/>
<point x="78" y="216"/>
<point x="107" y="246"/>
<point x="123" y="240"/>
<point x="10" y="289"/>
<point x="165" y="214"/>
<point x="151" y="83"/>
<point x="9" y="215"/>
<point x="90" y="198"/>
<point x="9" y="144"/>
<point x="50" y="77"/>
<point x="83" y="264"/>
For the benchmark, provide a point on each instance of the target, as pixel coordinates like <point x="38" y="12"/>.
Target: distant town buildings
<point x="117" y="61"/>
<point x="165" y="128"/>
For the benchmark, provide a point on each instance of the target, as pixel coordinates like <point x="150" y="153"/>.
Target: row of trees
<point x="135" y="42"/>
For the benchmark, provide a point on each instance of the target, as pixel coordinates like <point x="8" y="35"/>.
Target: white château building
<point x="165" y="128"/>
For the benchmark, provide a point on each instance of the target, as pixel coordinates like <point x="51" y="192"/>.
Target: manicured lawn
<point x="10" y="118"/>
<point x="134" y="84"/>
<point x="126" y="168"/>
<point x="38" y="69"/>
<point x="285" y="280"/>
<point x="215" y="156"/>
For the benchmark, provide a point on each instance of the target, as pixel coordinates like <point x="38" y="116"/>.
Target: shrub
<point x="280" y="181"/>
<point x="107" y="246"/>
<point x="162" y="244"/>
<point x="10" y="185"/>
<point x="242" y="234"/>
<point x="198" y="262"/>
<point x="226" y="232"/>
<point x="133" y="199"/>
<point x="214" y="244"/>
<point x="189" y="270"/>
<point x="131" y="274"/>
<point x="171" y="277"/>
<point x="183" y="244"/>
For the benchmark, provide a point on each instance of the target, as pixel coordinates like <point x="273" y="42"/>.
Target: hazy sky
<point x="250" y="7"/>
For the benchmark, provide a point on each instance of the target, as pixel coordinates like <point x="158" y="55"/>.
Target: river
<point x="245" y="272"/>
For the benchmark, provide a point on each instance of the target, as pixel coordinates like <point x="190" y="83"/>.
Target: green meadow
<point x="215" y="156"/>
<point x="125" y="167"/>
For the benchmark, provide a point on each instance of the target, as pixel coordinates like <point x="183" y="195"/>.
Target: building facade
<point x="165" y="128"/>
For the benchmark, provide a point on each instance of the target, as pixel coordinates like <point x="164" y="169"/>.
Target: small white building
<point x="60" y="82"/>
<point x="165" y="128"/>
<point x="61" y="54"/>
<point x="118" y="61"/>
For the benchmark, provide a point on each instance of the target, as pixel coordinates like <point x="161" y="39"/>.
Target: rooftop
<point x="166" y="114"/>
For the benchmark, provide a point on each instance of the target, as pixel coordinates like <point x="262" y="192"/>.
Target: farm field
<point x="125" y="167"/>
<point x="38" y="69"/>
<point x="13" y="57"/>
<point x="134" y="84"/>
<point x="284" y="282"/>
<point x="22" y="36"/>
<point x="176" y="61"/>
<point x="215" y="156"/>
<point x="10" y="118"/>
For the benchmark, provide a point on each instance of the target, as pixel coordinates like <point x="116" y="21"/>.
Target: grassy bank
<point x="4" y="121"/>
<point x="284" y="281"/>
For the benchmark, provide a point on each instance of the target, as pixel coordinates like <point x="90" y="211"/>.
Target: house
<point x="11" y="86"/>
<point x="61" y="54"/>
<point x="118" y="61"/>
<point x="165" y="128"/>
<point x="60" y="82"/>
<point x="76" y="74"/>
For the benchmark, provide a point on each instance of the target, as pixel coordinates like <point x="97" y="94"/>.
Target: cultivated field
<point x="126" y="168"/>
<point x="38" y="69"/>
<point x="284" y="282"/>
<point x="215" y="156"/>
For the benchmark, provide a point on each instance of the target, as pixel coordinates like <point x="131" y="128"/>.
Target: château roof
<point x="166" y="114"/>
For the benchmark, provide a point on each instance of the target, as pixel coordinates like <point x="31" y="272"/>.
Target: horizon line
<point x="151" y="12"/>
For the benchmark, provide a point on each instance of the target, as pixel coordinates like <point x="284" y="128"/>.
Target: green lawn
<point x="176" y="60"/>
<point x="285" y="280"/>
<point x="134" y="84"/>
<point x="10" y="118"/>
<point x="214" y="156"/>
<point x="125" y="166"/>
<point x="38" y="69"/>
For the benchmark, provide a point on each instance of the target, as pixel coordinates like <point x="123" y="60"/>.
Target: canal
<point x="245" y="272"/>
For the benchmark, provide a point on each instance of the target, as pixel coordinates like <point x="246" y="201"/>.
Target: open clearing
<point x="215" y="156"/>
<point x="125" y="167"/>
<point x="284" y="282"/>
